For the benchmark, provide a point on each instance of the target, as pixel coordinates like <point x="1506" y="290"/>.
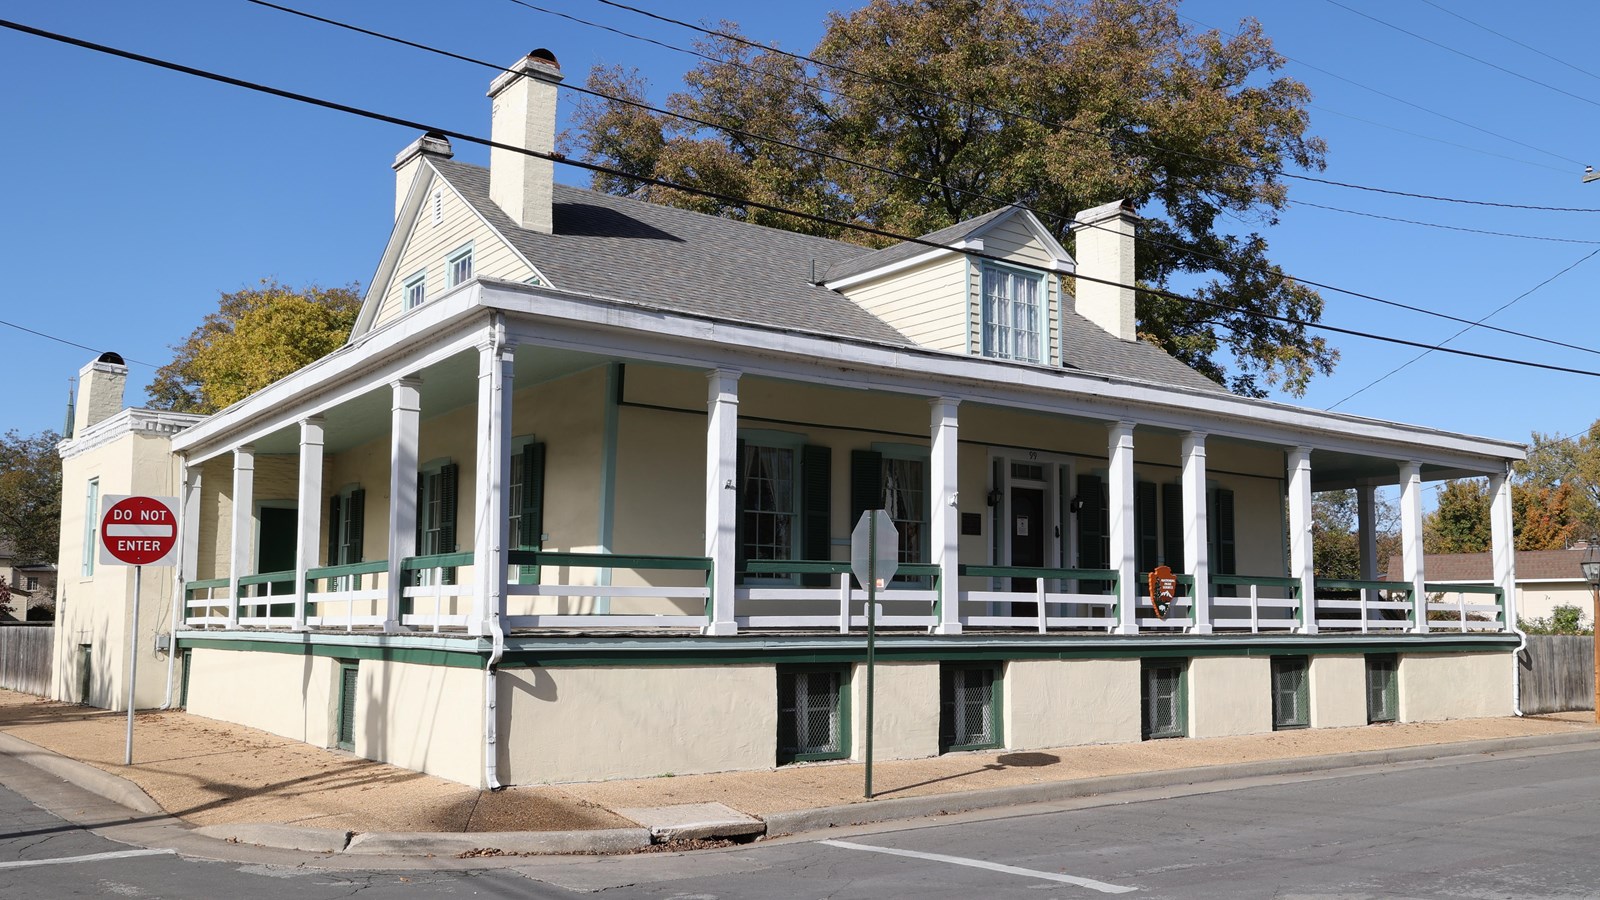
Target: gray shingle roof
<point x="682" y="261"/>
<point x="877" y="259"/>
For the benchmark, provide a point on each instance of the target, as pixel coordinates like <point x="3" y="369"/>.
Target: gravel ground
<point x="211" y="772"/>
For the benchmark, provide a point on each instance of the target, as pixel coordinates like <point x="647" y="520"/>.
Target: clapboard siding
<point x="428" y="246"/>
<point x="25" y="653"/>
<point x="1012" y="240"/>
<point x="1557" y="673"/>
<point x="926" y="303"/>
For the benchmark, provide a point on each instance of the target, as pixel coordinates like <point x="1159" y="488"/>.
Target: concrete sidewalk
<point x="241" y="784"/>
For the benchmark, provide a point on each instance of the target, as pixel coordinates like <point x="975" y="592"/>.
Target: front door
<point x="1028" y="526"/>
<point x="275" y="552"/>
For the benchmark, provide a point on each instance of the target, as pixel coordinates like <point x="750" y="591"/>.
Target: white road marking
<point x="1089" y="883"/>
<point x="93" y="857"/>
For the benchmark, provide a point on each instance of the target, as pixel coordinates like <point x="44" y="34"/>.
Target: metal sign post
<point x="874" y="558"/>
<point x="138" y="532"/>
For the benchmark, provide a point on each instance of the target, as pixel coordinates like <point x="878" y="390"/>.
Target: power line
<point x="1508" y="234"/>
<point x="714" y="195"/>
<point x="1428" y="137"/>
<point x="893" y="173"/>
<point x="1477" y="59"/>
<point x="1115" y="138"/>
<point x="1504" y="36"/>
<point x="61" y="340"/>
<point x="1497" y="310"/>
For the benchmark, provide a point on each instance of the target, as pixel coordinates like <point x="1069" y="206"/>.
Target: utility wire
<point x="1063" y="220"/>
<point x="1504" y="36"/>
<point x="1497" y="310"/>
<point x="714" y="195"/>
<point x="1508" y="234"/>
<point x="61" y="340"/>
<point x="1565" y="170"/>
<point x="1115" y="138"/>
<point x="1477" y="59"/>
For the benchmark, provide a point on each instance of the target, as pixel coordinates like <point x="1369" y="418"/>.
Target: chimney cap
<point x="545" y="56"/>
<point x="114" y="359"/>
<point x="540" y="65"/>
<point x="1123" y="209"/>
<point x="431" y="143"/>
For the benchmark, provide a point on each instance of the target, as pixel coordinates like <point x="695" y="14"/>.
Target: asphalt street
<point x="1517" y="825"/>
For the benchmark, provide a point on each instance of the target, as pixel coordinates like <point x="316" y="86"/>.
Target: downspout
<point x="491" y="670"/>
<point x="177" y="576"/>
<point x="1516" y="669"/>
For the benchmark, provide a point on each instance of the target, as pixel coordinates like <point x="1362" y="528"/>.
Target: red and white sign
<point x="138" y="531"/>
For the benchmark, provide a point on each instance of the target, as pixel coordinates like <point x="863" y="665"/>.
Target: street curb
<point x="115" y="788"/>
<point x="870" y="811"/>
<point x="454" y="843"/>
<point x="279" y="837"/>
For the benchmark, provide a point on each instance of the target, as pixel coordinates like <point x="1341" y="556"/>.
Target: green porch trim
<point x="1437" y="588"/>
<point x="360" y="568"/>
<point x="604" y="560"/>
<point x="1345" y="584"/>
<point x="206" y="584"/>
<point x="437" y="561"/>
<point x="266" y="577"/>
<point x="465" y="658"/>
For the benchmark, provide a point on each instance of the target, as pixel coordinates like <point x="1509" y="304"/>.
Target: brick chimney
<point x="1105" y="250"/>
<point x="408" y="162"/>
<point x="100" y="387"/>
<point x="524" y="115"/>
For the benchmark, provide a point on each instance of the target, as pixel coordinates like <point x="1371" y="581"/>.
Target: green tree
<point x="1573" y="462"/>
<point x="30" y="495"/>
<point x="255" y="337"/>
<point x="1060" y="105"/>
<point x="1460" y="523"/>
<point x="1335" y="538"/>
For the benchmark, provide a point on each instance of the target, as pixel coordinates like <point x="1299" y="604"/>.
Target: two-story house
<point x="575" y="502"/>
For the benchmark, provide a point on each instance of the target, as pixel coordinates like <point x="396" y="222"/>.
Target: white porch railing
<point x="1485" y="611"/>
<point x="349" y="596"/>
<point x="534" y="569"/>
<point x="911" y="601"/>
<point x="1081" y="599"/>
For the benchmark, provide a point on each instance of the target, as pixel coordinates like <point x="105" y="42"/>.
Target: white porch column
<point x="944" y="515"/>
<point x="188" y="541"/>
<point x="1502" y="544"/>
<point x="243" y="532"/>
<point x="491" y="503"/>
<point x="1301" y="565"/>
<point x="1123" y="538"/>
<point x="722" y="495"/>
<point x="1411" y="540"/>
<point x="310" y="513"/>
<point x="405" y="412"/>
<point x="1196" y="530"/>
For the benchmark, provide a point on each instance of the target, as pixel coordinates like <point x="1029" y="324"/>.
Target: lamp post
<point x="1591" y="574"/>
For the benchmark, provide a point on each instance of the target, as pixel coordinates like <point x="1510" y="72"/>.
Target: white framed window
<point x="458" y="267"/>
<point x="91" y="526"/>
<point x="436" y="514"/>
<point x="769" y="500"/>
<point x="1013" y="314"/>
<point x="415" y="290"/>
<point x="905" y="496"/>
<point x="30" y="583"/>
<point x="346" y="526"/>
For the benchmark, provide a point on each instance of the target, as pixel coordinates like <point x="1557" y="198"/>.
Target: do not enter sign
<point x="138" y="531"/>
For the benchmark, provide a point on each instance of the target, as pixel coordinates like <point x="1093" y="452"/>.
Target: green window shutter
<point x="741" y="555"/>
<point x="816" y="477"/>
<point x="333" y="529"/>
<point x="1093" y="524"/>
<point x="347" y="706"/>
<point x="866" y="483"/>
<point x="1172" y="526"/>
<point x="531" y="515"/>
<point x="1222" y="549"/>
<point x="447" y="514"/>
<point x="422" y="480"/>
<point x="354" y="533"/>
<point x="183" y="686"/>
<point x="1144" y="524"/>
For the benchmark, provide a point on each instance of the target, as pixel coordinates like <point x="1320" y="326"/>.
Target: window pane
<point x="769" y="515"/>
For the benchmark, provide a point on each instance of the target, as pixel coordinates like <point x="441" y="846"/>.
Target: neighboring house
<point x="1546" y="579"/>
<point x="575" y="502"/>
<point x="32" y="584"/>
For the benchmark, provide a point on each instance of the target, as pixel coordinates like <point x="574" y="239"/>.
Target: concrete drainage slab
<point x="694" y="821"/>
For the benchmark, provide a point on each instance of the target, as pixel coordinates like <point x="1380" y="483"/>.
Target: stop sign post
<point x="138" y="532"/>
<point x="874" y="558"/>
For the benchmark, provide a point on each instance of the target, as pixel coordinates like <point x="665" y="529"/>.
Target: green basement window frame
<point x="969" y="706"/>
<point x="1291" y="692"/>
<point x="1165" y="698"/>
<point x="348" y="681"/>
<point x="1383" y="688"/>
<point x="813" y="713"/>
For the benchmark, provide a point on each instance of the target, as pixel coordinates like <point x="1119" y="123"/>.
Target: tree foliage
<point x="1335" y="538"/>
<point x="30" y="495"/>
<point x="255" y="337"/>
<point x="1060" y="105"/>
<point x="1460" y="523"/>
<point x="1573" y="463"/>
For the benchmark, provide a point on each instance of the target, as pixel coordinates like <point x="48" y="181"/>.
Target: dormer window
<point x="1012" y="319"/>
<point x="460" y="267"/>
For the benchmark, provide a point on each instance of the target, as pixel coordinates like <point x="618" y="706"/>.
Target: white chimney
<point x="408" y="162"/>
<point x="1105" y="251"/>
<point x="524" y="115"/>
<point x="100" y="387"/>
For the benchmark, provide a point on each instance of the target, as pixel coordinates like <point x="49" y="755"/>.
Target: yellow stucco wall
<point x="904" y="695"/>
<point x="289" y="694"/>
<point x="428" y="718"/>
<point x="1059" y="703"/>
<point x="1229" y="695"/>
<point x="1338" y="691"/>
<point x="1437" y="686"/>
<point x="587" y="724"/>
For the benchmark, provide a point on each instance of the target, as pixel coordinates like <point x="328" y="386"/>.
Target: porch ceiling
<point x="1334" y="470"/>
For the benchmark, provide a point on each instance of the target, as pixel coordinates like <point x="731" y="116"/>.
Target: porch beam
<point x="1367" y="530"/>
<point x="309" y="518"/>
<point x="243" y="528"/>
<point x="1120" y="501"/>
<point x="722" y="495"/>
<point x="1196" y="529"/>
<point x="944" y="513"/>
<point x="491" y="501"/>
<point x="1502" y="544"/>
<point x="1301" y="558"/>
<point x="405" y="413"/>
<point x="1411" y="541"/>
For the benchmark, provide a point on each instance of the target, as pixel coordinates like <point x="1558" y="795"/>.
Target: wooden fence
<point x="25" y="652"/>
<point x="1557" y="673"/>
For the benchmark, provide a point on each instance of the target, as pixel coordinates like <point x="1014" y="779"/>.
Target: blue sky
<point x="136" y="195"/>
